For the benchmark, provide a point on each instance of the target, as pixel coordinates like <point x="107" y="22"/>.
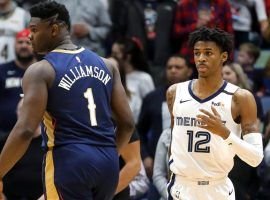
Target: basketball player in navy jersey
<point x="208" y="118"/>
<point x="80" y="97"/>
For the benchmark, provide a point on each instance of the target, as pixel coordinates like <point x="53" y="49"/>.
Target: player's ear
<point x="224" y="57"/>
<point x="55" y="30"/>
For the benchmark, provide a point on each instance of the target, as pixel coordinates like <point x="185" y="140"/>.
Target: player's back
<point x="196" y="152"/>
<point x="78" y="108"/>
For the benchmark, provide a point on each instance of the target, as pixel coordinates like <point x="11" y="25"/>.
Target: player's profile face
<point x="40" y="34"/>
<point x="208" y="58"/>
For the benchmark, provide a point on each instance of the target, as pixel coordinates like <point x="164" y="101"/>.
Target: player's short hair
<point x="223" y="39"/>
<point x="51" y="9"/>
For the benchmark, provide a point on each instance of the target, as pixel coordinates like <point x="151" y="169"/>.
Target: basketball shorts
<point x="180" y="188"/>
<point x="80" y="171"/>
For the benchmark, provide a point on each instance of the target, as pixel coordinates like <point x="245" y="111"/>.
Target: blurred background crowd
<point x="147" y="40"/>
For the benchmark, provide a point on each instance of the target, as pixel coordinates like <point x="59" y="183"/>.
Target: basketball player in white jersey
<point x="208" y="116"/>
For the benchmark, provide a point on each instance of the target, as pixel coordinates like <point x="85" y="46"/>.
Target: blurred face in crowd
<point x="229" y="75"/>
<point x="23" y="49"/>
<point x="4" y="3"/>
<point x="117" y="51"/>
<point x="177" y="70"/>
<point x="243" y="58"/>
<point x="208" y="58"/>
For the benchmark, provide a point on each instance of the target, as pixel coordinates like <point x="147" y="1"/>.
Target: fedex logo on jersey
<point x="218" y="104"/>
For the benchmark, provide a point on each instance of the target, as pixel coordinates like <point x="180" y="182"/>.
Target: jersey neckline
<point x="209" y="97"/>
<point x="75" y="51"/>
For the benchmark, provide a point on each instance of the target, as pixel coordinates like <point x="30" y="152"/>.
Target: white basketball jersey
<point x="195" y="152"/>
<point x="9" y="27"/>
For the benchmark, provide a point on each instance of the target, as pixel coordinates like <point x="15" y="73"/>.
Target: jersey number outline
<point x="91" y="106"/>
<point x="205" y="140"/>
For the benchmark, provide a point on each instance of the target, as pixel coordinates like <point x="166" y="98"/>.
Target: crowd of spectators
<point x="147" y="39"/>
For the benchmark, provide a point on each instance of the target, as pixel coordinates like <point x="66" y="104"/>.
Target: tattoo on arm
<point x="249" y="128"/>
<point x="170" y="101"/>
<point x="170" y="96"/>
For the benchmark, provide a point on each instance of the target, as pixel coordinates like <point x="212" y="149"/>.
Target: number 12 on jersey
<point x="91" y="106"/>
<point x="204" y="139"/>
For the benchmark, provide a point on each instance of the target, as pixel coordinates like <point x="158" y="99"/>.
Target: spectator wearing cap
<point x="12" y="20"/>
<point x="11" y="74"/>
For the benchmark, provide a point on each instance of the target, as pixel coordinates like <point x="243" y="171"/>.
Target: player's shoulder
<point x="242" y="95"/>
<point x="39" y="65"/>
<point x="40" y="70"/>
<point x="111" y="64"/>
<point x="172" y="88"/>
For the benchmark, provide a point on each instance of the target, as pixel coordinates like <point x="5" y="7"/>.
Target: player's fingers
<point x="207" y="113"/>
<point x="202" y="125"/>
<point x="204" y="118"/>
<point x="215" y="111"/>
<point x="204" y="121"/>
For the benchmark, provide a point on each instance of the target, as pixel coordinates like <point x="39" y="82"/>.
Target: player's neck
<point x="65" y="43"/>
<point x="204" y="87"/>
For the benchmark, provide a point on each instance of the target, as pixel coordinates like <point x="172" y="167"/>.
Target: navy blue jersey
<point x="78" y="108"/>
<point x="10" y="90"/>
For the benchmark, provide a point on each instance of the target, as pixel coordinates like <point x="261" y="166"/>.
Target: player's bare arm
<point x="121" y="111"/>
<point x="131" y="155"/>
<point x="35" y="84"/>
<point x="245" y="106"/>
<point x="170" y="96"/>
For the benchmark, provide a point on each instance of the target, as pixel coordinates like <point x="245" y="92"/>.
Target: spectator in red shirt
<point x="193" y="14"/>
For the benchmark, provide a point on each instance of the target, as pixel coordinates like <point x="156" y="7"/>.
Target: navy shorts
<point x="79" y="171"/>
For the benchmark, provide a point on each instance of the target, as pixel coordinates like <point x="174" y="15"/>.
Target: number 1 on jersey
<point x="91" y="106"/>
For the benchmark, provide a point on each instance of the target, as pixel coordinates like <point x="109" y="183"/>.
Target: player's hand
<point x="80" y="30"/>
<point x="213" y="123"/>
